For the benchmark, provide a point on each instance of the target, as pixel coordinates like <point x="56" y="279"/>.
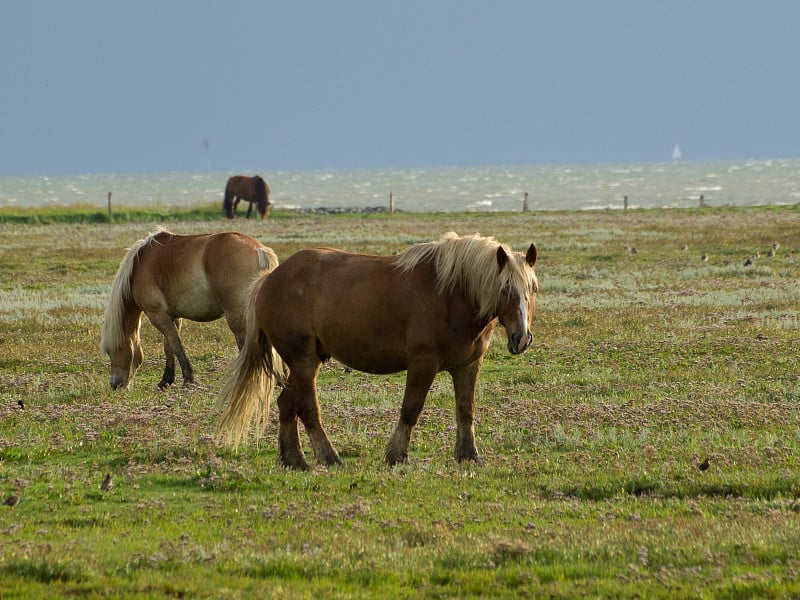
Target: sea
<point x="674" y="184"/>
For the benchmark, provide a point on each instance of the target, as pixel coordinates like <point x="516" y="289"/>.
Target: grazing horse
<point x="433" y="308"/>
<point x="169" y="277"/>
<point x="250" y="189"/>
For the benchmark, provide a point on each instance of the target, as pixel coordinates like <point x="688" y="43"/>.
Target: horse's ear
<point x="502" y="257"/>
<point x="530" y="256"/>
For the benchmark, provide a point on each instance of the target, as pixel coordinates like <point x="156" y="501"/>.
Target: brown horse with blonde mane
<point x="433" y="308"/>
<point x="169" y="277"/>
<point x="250" y="189"/>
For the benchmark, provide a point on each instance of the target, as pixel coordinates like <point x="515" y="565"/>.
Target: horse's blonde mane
<point x="469" y="263"/>
<point x="112" y="334"/>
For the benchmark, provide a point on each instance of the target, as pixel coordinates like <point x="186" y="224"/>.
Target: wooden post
<point x="702" y="200"/>
<point x="391" y="202"/>
<point x="625" y="203"/>
<point x="525" y="203"/>
<point x="109" y="207"/>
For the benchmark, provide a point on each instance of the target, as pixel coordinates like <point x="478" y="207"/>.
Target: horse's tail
<point x="227" y="201"/>
<point x="248" y="386"/>
<point x="112" y="333"/>
<point x="267" y="259"/>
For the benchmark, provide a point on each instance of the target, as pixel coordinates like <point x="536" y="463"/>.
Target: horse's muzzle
<point x="517" y="344"/>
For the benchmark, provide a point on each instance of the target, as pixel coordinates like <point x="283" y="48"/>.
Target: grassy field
<point x="645" y="446"/>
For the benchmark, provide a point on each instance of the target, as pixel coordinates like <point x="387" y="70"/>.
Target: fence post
<point x="109" y="207"/>
<point x="391" y="202"/>
<point x="525" y="202"/>
<point x="625" y="202"/>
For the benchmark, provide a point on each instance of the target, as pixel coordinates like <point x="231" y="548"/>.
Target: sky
<point x="161" y="86"/>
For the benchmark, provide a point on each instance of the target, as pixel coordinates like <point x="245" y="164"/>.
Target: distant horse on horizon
<point x="432" y="308"/>
<point x="250" y="189"/>
<point x="169" y="277"/>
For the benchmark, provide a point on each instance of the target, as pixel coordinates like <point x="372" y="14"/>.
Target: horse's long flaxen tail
<point x="248" y="386"/>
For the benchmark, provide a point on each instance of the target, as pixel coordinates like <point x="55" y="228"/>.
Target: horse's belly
<point x="365" y="352"/>
<point x="376" y="363"/>
<point x="198" y="309"/>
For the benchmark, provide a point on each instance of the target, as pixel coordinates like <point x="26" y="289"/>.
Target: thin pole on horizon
<point x="525" y="203"/>
<point x="391" y="202"/>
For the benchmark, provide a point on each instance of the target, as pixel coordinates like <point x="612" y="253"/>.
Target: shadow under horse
<point x="253" y="190"/>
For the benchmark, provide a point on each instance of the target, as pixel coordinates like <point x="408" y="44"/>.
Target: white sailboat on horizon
<point x="676" y="152"/>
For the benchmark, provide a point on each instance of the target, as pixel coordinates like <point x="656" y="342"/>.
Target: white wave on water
<point x="646" y="185"/>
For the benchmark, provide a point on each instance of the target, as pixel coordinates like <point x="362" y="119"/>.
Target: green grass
<point x="643" y="366"/>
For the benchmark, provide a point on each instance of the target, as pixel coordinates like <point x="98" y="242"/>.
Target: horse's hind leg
<point x="290" y="450"/>
<point x="309" y="413"/>
<point x="299" y="400"/>
<point x="464" y="381"/>
<point x="418" y="382"/>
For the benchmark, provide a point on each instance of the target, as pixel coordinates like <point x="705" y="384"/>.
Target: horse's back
<point x="198" y="277"/>
<point x="235" y="182"/>
<point x="326" y="279"/>
<point x="360" y="309"/>
<point x="232" y="258"/>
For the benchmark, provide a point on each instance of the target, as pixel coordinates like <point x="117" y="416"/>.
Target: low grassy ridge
<point x="645" y="446"/>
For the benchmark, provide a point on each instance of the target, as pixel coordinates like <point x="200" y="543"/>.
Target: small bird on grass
<point x="748" y="262"/>
<point x="107" y="484"/>
<point x="703" y="466"/>
<point x="704" y="257"/>
<point x="12" y="500"/>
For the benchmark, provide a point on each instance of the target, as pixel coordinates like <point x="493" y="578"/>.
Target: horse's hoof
<point x="471" y="455"/>
<point x="297" y="462"/>
<point x="392" y="459"/>
<point x="298" y="466"/>
<point x="472" y="458"/>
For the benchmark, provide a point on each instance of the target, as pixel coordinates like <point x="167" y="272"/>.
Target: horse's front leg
<point x="418" y="382"/>
<point x="172" y="346"/>
<point x="464" y="383"/>
<point x="168" y="378"/>
<point x="249" y="209"/>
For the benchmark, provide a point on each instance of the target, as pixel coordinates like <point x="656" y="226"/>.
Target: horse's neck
<point x="132" y="319"/>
